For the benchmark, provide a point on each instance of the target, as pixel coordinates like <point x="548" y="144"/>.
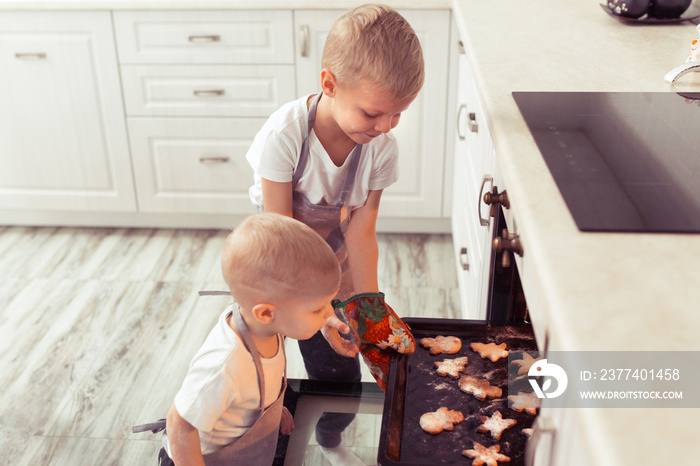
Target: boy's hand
<point x="331" y="332"/>
<point x="287" y="422"/>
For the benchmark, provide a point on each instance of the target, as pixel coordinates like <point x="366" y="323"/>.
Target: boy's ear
<point x="264" y="312"/>
<point x="328" y="82"/>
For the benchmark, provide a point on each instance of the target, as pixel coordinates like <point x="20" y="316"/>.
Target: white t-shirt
<point x="275" y="152"/>
<point x="220" y="394"/>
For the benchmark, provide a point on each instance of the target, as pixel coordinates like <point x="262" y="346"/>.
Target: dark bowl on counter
<point x="665" y="9"/>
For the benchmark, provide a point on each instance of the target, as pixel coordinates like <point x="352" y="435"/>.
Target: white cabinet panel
<point x="475" y="173"/>
<point x="225" y="37"/>
<point x="171" y="90"/>
<point x="193" y="165"/>
<point x="62" y="131"/>
<point x="421" y="132"/>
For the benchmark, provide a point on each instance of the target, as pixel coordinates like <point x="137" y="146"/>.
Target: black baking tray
<point x="414" y="388"/>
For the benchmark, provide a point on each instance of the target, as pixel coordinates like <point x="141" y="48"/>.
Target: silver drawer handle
<point x="30" y="56"/>
<point x="213" y="159"/>
<point x="209" y="93"/>
<point x="461" y="136"/>
<point x="199" y="39"/>
<point x="464" y="259"/>
<point x="471" y="122"/>
<point x="483" y="221"/>
<point x="304" y="33"/>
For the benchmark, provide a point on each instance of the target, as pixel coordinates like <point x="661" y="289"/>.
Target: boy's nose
<point x="384" y="125"/>
<point x="329" y="311"/>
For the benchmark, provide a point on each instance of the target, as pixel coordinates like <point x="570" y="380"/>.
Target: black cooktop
<point x="623" y="161"/>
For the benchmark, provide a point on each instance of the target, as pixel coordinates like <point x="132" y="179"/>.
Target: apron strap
<point x="250" y="346"/>
<point x="154" y="427"/>
<point x="214" y="293"/>
<point x="304" y="156"/>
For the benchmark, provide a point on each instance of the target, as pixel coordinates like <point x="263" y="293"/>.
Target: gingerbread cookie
<point x="483" y="456"/>
<point x="480" y="388"/>
<point x="442" y="419"/>
<point x="527" y="402"/>
<point x="440" y="344"/>
<point x="451" y="367"/>
<point x="492" y="351"/>
<point x="495" y="424"/>
<point x="525" y="363"/>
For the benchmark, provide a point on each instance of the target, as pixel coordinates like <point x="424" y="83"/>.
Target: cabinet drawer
<point x="246" y="90"/>
<point x="193" y="165"/>
<point x="225" y="37"/>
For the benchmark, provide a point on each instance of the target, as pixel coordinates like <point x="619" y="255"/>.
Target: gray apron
<point x="258" y="445"/>
<point x="329" y="221"/>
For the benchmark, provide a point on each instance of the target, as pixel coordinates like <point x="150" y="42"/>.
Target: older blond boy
<point x="325" y="159"/>
<point x="282" y="276"/>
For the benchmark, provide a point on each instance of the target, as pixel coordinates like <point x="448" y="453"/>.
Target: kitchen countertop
<point x="592" y="291"/>
<point x="210" y="4"/>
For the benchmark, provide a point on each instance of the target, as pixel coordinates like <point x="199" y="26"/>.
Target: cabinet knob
<point x="507" y="242"/>
<point x="464" y="259"/>
<point x="471" y="122"/>
<point x="494" y="198"/>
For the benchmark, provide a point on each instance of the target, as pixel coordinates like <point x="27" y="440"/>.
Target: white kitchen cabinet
<point x="474" y="171"/>
<point x="197" y="87"/>
<point x="63" y="142"/>
<point x="421" y="133"/>
<point x="558" y="439"/>
<point x="193" y="164"/>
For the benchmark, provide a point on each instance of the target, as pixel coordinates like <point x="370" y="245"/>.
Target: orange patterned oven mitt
<point x="377" y="330"/>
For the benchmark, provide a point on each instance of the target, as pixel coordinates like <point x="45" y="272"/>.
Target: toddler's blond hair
<point x="375" y="43"/>
<point x="269" y="258"/>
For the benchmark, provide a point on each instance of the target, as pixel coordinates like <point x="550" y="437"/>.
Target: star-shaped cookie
<point x="495" y="424"/>
<point x="483" y="456"/>
<point x="492" y="351"/>
<point x="451" y="367"/>
<point x="527" y="402"/>
<point x="525" y="363"/>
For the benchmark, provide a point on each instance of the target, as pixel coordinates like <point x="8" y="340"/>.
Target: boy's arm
<point x="183" y="439"/>
<point x="361" y="241"/>
<point x="277" y="197"/>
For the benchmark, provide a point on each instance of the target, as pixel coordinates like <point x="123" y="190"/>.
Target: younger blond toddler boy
<point x="282" y="276"/>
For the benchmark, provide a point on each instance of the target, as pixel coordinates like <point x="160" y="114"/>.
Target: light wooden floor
<point x="97" y="327"/>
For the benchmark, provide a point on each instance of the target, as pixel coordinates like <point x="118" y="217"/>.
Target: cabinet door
<point x="421" y="132"/>
<point x="193" y="164"/>
<point x="63" y="138"/>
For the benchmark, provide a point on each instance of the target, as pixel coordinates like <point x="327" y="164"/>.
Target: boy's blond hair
<point x="375" y="43"/>
<point x="269" y="258"/>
